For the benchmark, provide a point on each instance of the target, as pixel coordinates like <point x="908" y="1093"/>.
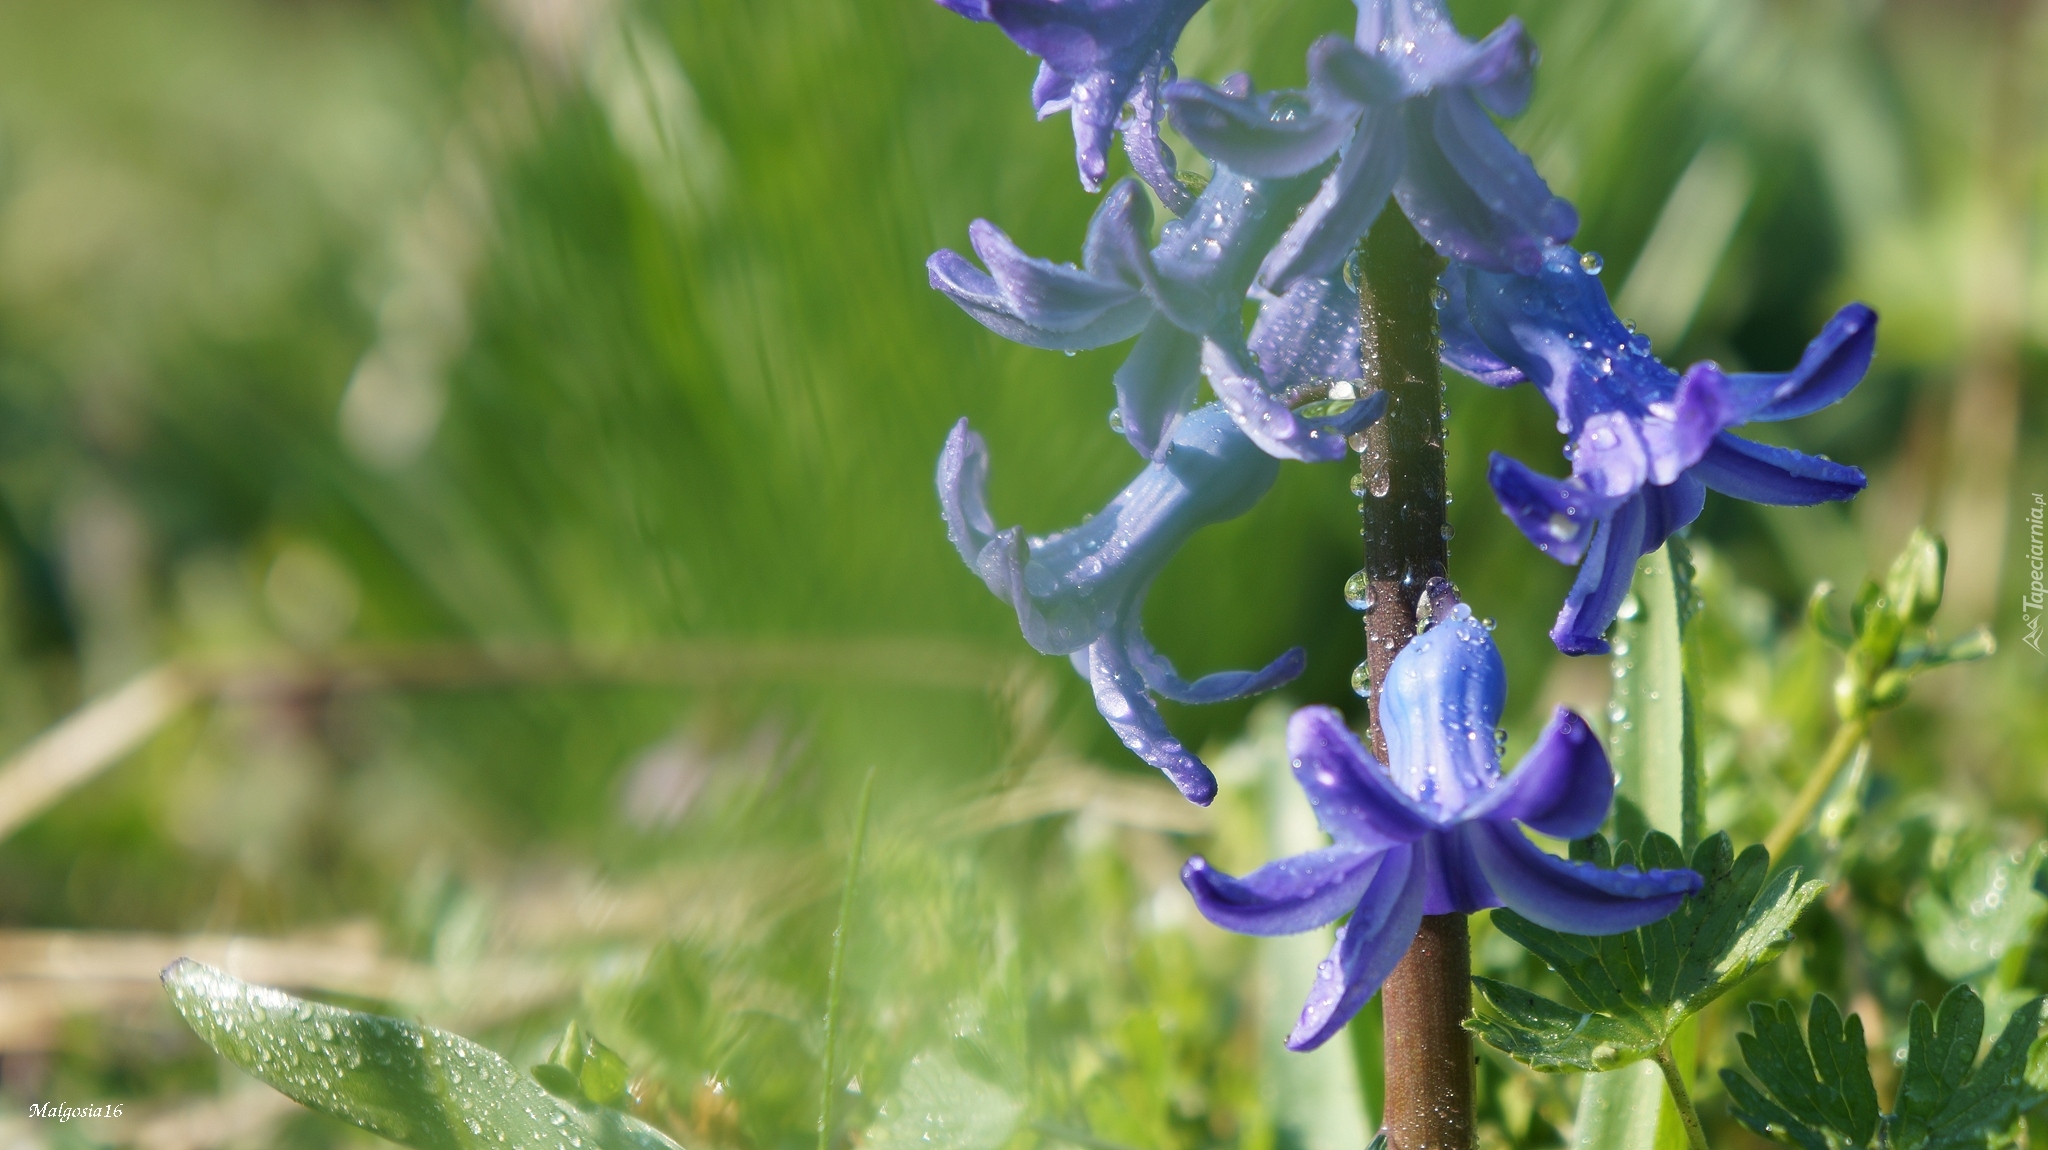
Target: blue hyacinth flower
<point x="1404" y="104"/>
<point x="1183" y="298"/>
<point x="1097" y="58"/>
<point x="1082" y="592"/>
<point x="1645" y="442"/>
<point x="1434" y="830"/>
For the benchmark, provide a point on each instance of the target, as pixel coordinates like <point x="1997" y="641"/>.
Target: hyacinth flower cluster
<point x="1402" y="111"/>
<point x="1435" y="829"/>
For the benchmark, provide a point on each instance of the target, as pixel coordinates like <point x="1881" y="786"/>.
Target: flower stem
<point x="1428" y="997"/>
<point x="1695" y="1134"/>
<point x="1841" y="750"/>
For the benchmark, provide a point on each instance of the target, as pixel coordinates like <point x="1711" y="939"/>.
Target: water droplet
<point x="1361" y="681"/>
<point x="1358" y="487"/>
<point x="1116" y="420"/>
<point x="1070" y="353"/>
<point x="1357" y="441"/>
<point x="1288" y="108"/>
<point x="1630" y="607"/>
<point x="1488" y="623"/>
<point x="1446" y="531"/>
<point x="1358" y="592"/>
<point x="1343" y="389"/>
<point x="1591" y="262"/>
<point x="1438" y="296"/>
<point x="1380" y="485"/>
<point x="1561" y="527"/>
<point x="1351" y="271"/>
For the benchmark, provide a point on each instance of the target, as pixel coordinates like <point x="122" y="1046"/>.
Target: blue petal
<point x="1368" y="948"/>
<point x="979" y="296"/>
<point x="1150" y="156"/>
<point x="1117" y="247"/>
<point x="1666" y="509"/>
<point x="1463" y="349"/>
<point x="1308" y="334"/>
<point x="1610" y="455"/>
<point x="1339" y="74"/>
<point x="963" y="484"/>
<point x="1241" y="389"/>
<point x="1260" y="135"/>
<point x="1561" y="788"/>
<point x="1471" y="193"/>
<point x="1205" y="261"/>
<point x="1077" y="36"/>
<point x="1417" y="39"/>
<point x="972" y="9"/>
<point x="1438" y="709"/>
<point x="1557" y="515"/>
<point x="1346" y="204"/>
<point x="1120" y="697"/>
<point x="1156" y="384"/>
<point x="1603" y="582"/>
<point x="1040" y="292"/>
<point x="1676" y="432"/>
<point x="1354" y="799"/>
<point x="1160" y="676"/>
<point x="1576" y="897"/>
<point x="1284" y="897"/>
<point x="1761" y="473"/>
<point x="1455" y="883"/>
<point x="1834" y="363"/>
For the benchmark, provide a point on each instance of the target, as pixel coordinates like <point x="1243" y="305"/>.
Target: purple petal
<point x="972" y="9"/>
<point x="1309" y="333"/>
<point x="1471" y="193"/>
<point x="1150" y="156"/>
<point x="1666" y="509"/>
<point x="1077" y="36"/>
<point x="1156" y="384"/>
<point x="1346" y="204"/>
<point x="1119" y="239"/>
<point x="1050" y="90"/>
<point x="1463" y="349"/>
<point x="1044" y="294"/>
<point x="1568" y="896"/>
<point x="1456" y="884"/>
<point x="1500" y="69"/>
<point x="1338" y="73"/>
<point x="1268" y="422"/>
<point x="1354" y="799"/>
<point x="1263" y="135"/>
<point x="1094" y="104"/>
<point x="1284" y="897"/>
<point x="1120" y="697"/>
<point x="1603" y="582"/>
<point x="963" y="486"/>
<point x="1368" y="948"/>
<point x="1557" y="515"/>
<point x="1676" y="432"/>
<point x="979" y="296"/>
<point x="1561" y="788"/>
<point x="1438" y="709"/>
<point x="1160" y="676"/>
<point x="1761" y="473"/>
<point x="1834" y="363"/>
<point x="1610" y="456"/>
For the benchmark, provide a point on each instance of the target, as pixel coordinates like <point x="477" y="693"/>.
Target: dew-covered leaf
<point x="412" y="1084"/>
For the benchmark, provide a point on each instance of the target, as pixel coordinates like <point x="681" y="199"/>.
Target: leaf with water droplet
<point x="412" y="1084"/>
<point x="941" y="1106"/>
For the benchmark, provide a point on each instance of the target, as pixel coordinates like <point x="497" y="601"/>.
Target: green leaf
<point x="1816" y="1090"/>
<point x="1978" y="909"/>
<point x="409" y="1083"/>
<point x="583" y="1070"/>
<point x="1637" y="988"/>
<point x="1649" y="730"/>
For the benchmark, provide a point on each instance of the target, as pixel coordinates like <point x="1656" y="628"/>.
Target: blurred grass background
<point x="505" y="432"/>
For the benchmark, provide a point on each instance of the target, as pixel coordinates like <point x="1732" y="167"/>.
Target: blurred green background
<point x="480" y="456"/>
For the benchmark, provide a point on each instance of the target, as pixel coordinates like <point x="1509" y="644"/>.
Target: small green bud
<point x="1822" y="620"/>
<point x="1978" y="644"/>
<point x="1914" y="584"/>
<point x="1889" y="690"/>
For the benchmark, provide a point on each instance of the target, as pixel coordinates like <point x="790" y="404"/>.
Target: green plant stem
<point x="1428" y="997"/>
<point x="832" y="977"/>
<point x="1841" y="749"/>
<point x="1695" y="1134"/>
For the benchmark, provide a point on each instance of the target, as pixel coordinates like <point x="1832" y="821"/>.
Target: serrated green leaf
<point x="1978" y="909"/>
<point x="412" y="1084"/>
<point x="1643" y="984"/>
<point x="1816" y="1091"/>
